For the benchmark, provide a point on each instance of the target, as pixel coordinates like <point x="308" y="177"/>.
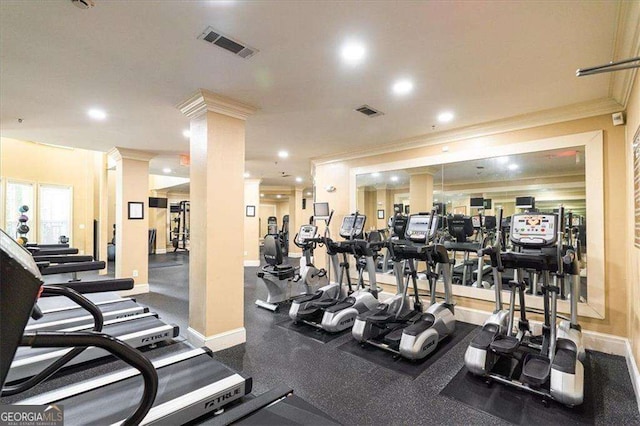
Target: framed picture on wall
<point x="251" y="211"/>
<point x="135" y="210"/>
<point x="381" y="214"/>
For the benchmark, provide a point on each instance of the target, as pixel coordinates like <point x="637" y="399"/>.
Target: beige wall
<point x="43" y="164"/>
<point x="615" y="203"/>
<point x="633" y="123"/>
<point x="252" y="224"/>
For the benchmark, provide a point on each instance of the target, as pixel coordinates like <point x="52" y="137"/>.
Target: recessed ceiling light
<point x="445" y="117"/>
<point x="298" y="179"/>
<point x="262" y="195"/>
<point x="503" y="160"/>
<point x="308" y="193"/>
<point x="186" y="133"/>
<point x="512" y="166"/>
<point x="283" y="154"/>
<point x="97" y="114"/>
<point x="353" y="52"/>
<point x="278" y="196"/>
<point x="402" y="87"/>
<point x="247" y="174"/>
<point x="166" y="170"/>
<point x="375" y="174"/>
<point x="394" y="178"/>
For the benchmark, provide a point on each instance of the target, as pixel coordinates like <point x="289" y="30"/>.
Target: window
<point x="18" y="194"/>
<point x="54" y="214"/>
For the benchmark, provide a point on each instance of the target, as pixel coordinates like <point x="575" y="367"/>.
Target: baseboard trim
<point x="217" y="342"/>
<point x="633" y="371"/>
<point x="251" y="263"/>
<point x="161" y="251"/>
<point x="137" y="289"/>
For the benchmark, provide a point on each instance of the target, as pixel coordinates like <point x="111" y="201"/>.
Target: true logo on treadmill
<point x="217" y="401"/>
<point x="154" y="338"/>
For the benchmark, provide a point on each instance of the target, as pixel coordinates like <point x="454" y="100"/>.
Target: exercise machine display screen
<point x="421" y="227"/>
<point x="477" y="222"/>
<point x="321" y="211"/>
<point x="349" y="229"/>
<point x="306" y="232"/>
<point x="539" y="229"/>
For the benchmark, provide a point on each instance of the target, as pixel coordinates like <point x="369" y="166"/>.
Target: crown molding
<point x="519" y="122"/>
<point x="118" y="153"/>
<point x="626" y="45"/>
<point x="204" y="100"/>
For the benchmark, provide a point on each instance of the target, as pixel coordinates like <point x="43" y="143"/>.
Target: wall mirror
<point x="559" y="171"/>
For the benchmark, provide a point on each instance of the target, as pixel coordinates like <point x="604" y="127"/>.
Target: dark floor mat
<point x="311" y="332"/>
<point x="404" y="366"/>
<point x="518" y="406"/>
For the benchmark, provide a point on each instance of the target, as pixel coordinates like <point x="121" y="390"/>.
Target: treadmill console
<point x="306" y="232"/>
<point x="534" y="229"/>
<point x="421" y="228"/>
<point x="349" y="229"/>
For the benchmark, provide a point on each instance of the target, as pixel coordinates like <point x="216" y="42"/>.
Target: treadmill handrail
<point x="98" y="322"/>
<point x="114" y="346"/>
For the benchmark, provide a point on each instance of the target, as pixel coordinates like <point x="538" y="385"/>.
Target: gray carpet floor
<point x="347" y="387"/>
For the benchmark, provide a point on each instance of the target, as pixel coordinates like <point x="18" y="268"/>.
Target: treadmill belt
<point x="74" y="313"/>
<point x="404" y="366"/>
<point x="311" y="332"/>
<point x="104" y="406"/>
<point x="518" y="406"/>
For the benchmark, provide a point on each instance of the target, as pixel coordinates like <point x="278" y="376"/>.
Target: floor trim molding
<point x="632" y="365"/>
<point x="137" y="289"/>
<point x="251" y="263"/>
<point x="219" y="341"/>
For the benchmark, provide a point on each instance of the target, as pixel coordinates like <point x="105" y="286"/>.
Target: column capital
<point x="118" y="153"/>
<point x="204" y="100"/>
<point x="253" y="181"/>
<point x="427" y="170"/>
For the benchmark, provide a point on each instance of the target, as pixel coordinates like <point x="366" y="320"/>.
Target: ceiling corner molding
<point x="519" y="122"/>
<point x="627" y="45"/>
<point x="119" y="153"/>
<point x="204" y="100"/>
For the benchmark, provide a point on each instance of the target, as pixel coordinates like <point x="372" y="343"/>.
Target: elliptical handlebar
<point x="560" y="240"/>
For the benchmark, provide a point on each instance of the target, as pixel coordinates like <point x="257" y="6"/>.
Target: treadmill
<point x="174" y="390"/>
<point x="59" y="312"/>
<point x="137" y="331"/>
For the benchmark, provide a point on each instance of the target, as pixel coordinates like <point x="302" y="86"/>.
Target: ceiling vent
<point x="234" y="46"/>
<point x="368" y="111"/>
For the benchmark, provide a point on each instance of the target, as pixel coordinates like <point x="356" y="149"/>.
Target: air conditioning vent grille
<point x="368" y="111"/>
<point x="227" y="43"/>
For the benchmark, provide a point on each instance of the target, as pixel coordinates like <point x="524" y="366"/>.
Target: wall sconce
<point x="330" y="188"/>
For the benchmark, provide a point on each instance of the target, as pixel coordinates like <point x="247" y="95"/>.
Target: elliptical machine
<point x="334" y="314"/>
<point x="394" y="326"/>
<point x="553" y="367"/>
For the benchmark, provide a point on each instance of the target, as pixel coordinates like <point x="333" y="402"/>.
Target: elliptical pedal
<point x="504" y="344"/>
<point x="536" y="369"/>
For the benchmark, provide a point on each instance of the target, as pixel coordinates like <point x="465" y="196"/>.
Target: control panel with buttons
<point x="534" y="229"/>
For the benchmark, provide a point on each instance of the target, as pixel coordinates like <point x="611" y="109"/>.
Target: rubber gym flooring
<point x="354" y="390"/>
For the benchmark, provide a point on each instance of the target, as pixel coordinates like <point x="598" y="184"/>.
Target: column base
<point x="219" y="341"/>
<point x="293" y="254"/>
<point x="251" y="263"/>
<point x="161" y="251"/>
<point x="137" y="289"/>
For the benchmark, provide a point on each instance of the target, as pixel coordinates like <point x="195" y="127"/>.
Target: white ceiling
<point x="138" y="59"/>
